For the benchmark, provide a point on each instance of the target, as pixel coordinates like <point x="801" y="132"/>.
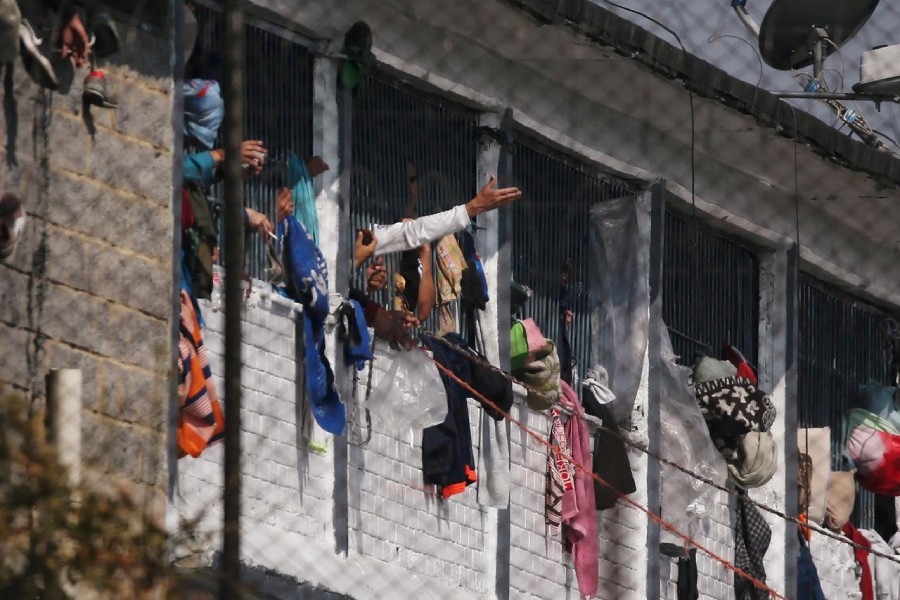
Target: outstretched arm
<point x="408" y="235"/>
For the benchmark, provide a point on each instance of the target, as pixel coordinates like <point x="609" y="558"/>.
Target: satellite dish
<point x="788" y="33"/>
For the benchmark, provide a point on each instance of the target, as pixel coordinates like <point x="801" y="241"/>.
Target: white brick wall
<point x="399" y="530"/>
<point x="836" y="566"/>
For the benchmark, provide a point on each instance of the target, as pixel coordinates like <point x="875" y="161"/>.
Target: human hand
<point x="316" y="166"/>
<point x="489" y="198"/>
<point x="253" y="155"/>
<point x="376" y="276"/>
<point x="394" y="327"/>
<point x="285" y="203"/>
<point x="258" y="222"/>
<point x="363" y="251"/>
<point x="74" y="41"/>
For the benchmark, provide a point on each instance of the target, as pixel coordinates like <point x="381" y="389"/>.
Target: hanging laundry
<point x="876" y="456"/>
<point x="866" y="583"/>
<point x="610" y="455"/>
<point x="450" y="265"/>
<point x="733" y="409"/>
<point x="709" y="369"/>
<point x="580" y="529"/>
<point x="200" y="419"/>
<point x="447" y="459"/>
<point x="493" y="462"/>
<point x="541" y="376"/>
<point x="755" y="460"/>
<point x="560" y="499"/>
<point x="808" y="585"/>
<point x="354" y="333"/>
<point x="686" y="588"/>
<point x="734" y="356"/>
<point x="752" y="536"/>
<point x="733" y="406"/>
<point x="816" y="443"/>
<point x="526" y="341"/>
<point x="841" y="499"/>
<point x="886" y="571"/>
<point x="307" y="283"/>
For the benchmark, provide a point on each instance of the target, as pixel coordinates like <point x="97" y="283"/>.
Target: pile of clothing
<point x="738" y="416"/>
<point x="872" y="439"/>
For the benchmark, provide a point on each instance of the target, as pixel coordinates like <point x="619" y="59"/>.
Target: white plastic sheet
<point x="407" y="390"/>
<point x="684" y="440"/>
<point x="620" y="295"/>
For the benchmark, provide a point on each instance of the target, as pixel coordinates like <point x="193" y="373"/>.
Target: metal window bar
<point x="279" y="111"/>
<point x="394" y="123"/>
<point x="840" y="347"/>
<point x="710" y="291"/>
<point x="551" y="229"/>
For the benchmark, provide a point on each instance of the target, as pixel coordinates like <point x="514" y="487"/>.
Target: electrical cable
<point x="685" y="54"/>
<point x="714" y="38"/>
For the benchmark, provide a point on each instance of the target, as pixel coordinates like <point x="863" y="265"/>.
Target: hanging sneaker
<point x="96" y="90"/>
<point x="10" y="21"/>
<point x="37" y="65"/>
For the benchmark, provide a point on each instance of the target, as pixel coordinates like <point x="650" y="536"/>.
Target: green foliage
<point x="59" y="541"/>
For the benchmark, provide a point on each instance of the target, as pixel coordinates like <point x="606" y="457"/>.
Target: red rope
<point x="541" y="440"/>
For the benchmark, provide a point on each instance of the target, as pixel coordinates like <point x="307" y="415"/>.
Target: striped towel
<point x="560" y="495"/>
<point x="201" y="422"/>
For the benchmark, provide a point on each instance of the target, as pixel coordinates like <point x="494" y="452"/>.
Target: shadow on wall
<point x="203" y="585"/>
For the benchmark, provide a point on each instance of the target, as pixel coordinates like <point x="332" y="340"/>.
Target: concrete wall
<point x="90" y="286"/>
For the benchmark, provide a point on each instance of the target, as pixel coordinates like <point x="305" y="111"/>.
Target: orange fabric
<point x="805" y="531"/>
<point x="200" y="423"/>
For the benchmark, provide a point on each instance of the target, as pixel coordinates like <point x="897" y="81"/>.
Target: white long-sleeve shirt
<point x="408" y="235"/>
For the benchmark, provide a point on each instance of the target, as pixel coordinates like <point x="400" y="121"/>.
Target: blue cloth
<point x="204" y="110"/>
<point x="307" y="283"/>
<point x="200" y="167"/>
<point x="304" y="195"/>
<point x="447" y="458"/>
<point x="808" y="585"/>
<point x="358" y="345"/>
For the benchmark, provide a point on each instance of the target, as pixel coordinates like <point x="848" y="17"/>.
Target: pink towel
<point x="580" y="528"/>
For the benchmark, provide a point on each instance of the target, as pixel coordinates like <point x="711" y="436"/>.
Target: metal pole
<point x="234" y="267"/>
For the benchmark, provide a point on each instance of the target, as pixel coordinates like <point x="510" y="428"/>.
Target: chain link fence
<point x="760" y="205"/>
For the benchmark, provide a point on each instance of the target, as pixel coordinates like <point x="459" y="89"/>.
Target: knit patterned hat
<point x="542" y="378"/>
